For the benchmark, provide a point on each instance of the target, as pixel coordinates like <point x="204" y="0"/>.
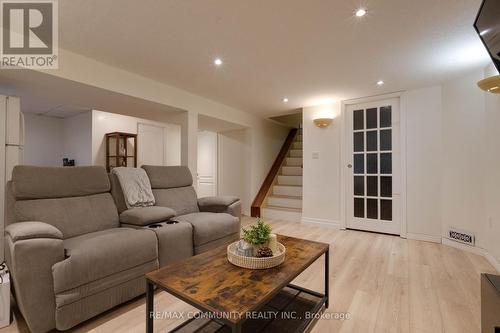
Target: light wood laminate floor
<point x="385" y="283"/>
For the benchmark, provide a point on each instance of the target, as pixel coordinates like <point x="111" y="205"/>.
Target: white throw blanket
<point x="135" y="186"/>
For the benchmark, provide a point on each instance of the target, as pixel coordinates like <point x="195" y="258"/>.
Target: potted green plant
<point x="257" y="235"/>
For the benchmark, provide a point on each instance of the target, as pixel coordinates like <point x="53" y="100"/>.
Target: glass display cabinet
<point x="121" y="150"/>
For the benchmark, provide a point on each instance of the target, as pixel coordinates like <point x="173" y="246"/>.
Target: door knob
<point x="349" y="166"/>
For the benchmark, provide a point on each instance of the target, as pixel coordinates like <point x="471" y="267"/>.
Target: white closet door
<point x="150" y="145"/>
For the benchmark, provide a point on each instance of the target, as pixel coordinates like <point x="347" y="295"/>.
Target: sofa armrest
<point x="30" y="230"/>
<point x="143" y="216"/>
<point x="31" y="249"/>
<point x="222" y="204"/>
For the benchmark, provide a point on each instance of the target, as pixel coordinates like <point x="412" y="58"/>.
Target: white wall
<point x="423" y="160"/>
<point x="48" y="139"/>
<point x="79" y="138"/>
<point x="173" y="151"/>
<point x="463" y="156"/>
<point x="491" y="171"/>
<point x="471" y="160"/>
<point x="266" y="142"/>
<point x="105" y="122"/>
<point x="321" y="200"/>
<point x="234" y="167"/>
<point x="44" y="141"/>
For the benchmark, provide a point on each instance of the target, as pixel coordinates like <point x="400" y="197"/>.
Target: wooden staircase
<point x="283" y="194"/>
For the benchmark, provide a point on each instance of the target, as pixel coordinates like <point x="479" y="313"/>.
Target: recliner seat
<point x="68" y="257"/>
<point x="215" y="220"/>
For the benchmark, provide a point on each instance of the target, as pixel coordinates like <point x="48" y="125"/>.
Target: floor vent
<point x="461" y="236"/>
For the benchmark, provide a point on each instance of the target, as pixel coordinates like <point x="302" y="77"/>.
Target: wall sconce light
<point x="323" y="122"/>
<point x="491" y="84"/>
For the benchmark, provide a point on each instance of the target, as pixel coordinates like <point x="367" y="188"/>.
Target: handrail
<point x="268" y="181"/>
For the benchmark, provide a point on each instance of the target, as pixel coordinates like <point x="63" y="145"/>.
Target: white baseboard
<point x="492" y="260"/>
<point x="323" y="222"/>
<point x="464" y="247"/>
<point x="423" y="237"/>
<point x="473" y="249"/>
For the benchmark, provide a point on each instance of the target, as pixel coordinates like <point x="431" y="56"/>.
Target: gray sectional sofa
<point x="74" y="250"/>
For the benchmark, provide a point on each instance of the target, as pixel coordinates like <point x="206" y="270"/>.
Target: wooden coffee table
<point x="234" y="299"/>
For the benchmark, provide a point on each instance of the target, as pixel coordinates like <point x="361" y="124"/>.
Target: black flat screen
<point x="488" y="27"/>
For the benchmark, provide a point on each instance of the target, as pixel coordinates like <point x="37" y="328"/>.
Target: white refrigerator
<point x="11" y="149"/>
<point x="11" y="154"/>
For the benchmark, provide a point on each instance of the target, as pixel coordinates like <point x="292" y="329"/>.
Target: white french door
<point x="373" y="187"/>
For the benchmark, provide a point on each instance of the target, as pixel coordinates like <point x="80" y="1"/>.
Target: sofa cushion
<point x="168" y="176"/>
<point x="72" y="216"/>
<point x="208" y="227"/>
<point x="142" y="216"/>
<point x="99" y="254"/>
<point x="182" y="199"/>
<point x="32" y="182"/>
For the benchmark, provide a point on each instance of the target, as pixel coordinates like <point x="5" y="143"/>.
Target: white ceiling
<point x="307" y="50"/>
<point x="55" y="97"/>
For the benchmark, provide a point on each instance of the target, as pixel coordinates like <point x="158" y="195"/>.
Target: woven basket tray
<point x="254" y="262"/>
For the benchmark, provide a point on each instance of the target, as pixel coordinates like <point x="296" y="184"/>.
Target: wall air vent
<point x="461" y="236"/>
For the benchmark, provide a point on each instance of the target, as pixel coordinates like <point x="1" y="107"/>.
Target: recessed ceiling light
<point x="484" y="32"/>
<point x="285" y="100"/>
<point x="380" y="82"/>
<point x="361" y="12"/>
<point x="218" y="61"/>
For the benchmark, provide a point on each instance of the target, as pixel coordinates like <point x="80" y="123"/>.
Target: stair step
<point x="282" y="201"/>
<point x="291" y="171"/>
<point x="293" y="161"/>
<point x="290" y="180"/>
<point x="281" y="213"/>
<point x="295" y="191"/>
<point x="296" y="153"/>
<point x="297" y="145"/>
<point x="298" y="138"/>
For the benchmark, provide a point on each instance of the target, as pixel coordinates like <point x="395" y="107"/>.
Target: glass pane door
<point x="373" y="136"/>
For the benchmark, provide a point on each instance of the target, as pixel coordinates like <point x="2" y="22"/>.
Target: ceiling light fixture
<point x="380" y="82"/>
<point x="285" y="100"/>
<point x="218" y="61"/>
<point x="361" y="12"/>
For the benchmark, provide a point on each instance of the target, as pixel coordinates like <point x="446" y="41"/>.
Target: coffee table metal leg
<point x="236" y="328"/>
<point x="327" y="279"/>
<point x="149" y="306"/>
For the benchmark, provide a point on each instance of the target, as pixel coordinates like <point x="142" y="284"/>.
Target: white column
<point x="189" y="143"/>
